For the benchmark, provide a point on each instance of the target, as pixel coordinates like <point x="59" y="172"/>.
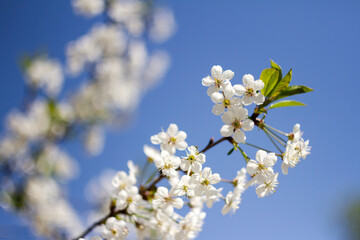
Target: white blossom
<point x="205" y="182"/>
<point x="114" y="229"/>
<point x="225" y="100"/>
<point x="94" y="140"/>
<point x="268" y="186"/>
<point x="171" y="140"/>
<point x="218" y="80"/>
<point x="45" y="73"/>
<point x="261" y="169"/>
<point x="184" y="187"/>
<point x="250" y="90"/>
<point x="193" y="161"/>
<point x="232" y="202"/>
<point x="167" y="164"/>
<point x="236" y="121"/>
<point x="89" y="8"/>
<point x="166" y="201"/>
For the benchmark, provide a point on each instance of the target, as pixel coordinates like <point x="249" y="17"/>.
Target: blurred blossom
<point x="163" y="25"/>
<point x="49" y="211"/>
<point x="45" y="73"/>
<point x="130" y="14"/>
<point x="89" y="8"/>
<point x="94" y="140"/>
<point x="119" y="69"/>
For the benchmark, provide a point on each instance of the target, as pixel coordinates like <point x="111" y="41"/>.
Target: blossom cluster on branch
<point x="174" y="209"/>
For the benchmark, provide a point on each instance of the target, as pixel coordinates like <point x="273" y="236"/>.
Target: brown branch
<point x="102" y="220"/>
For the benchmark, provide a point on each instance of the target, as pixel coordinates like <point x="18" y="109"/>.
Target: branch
<point x="102" y="220"/>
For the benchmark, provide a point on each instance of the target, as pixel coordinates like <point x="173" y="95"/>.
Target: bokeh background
<point x="320" y="40"/>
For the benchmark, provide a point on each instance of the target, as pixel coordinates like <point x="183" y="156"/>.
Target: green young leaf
<point x="293" y="90"/>
<point x="281" y="85"/>
<point x="286" y="103"/>
<point x="270" y="77"/>
<point x="231" y="151"/>
<point x="277" y="67"/>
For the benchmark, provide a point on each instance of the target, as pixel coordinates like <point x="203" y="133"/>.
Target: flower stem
<point x="272" y="141"/>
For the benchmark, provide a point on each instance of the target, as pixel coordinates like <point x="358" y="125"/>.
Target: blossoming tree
<point x="120" y="70"/>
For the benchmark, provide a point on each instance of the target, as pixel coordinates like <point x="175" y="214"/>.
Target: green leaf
<point x="277" y="67"/>
<point x="286" y="103"/>
<point x="231" y="151"/>
<point x="293" y="90"/>
<point x="270" y="77"/>
<point x="281" y="85"/>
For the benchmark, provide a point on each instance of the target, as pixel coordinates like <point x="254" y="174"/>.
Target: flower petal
<point x="218" y="109"/>
<point x="181" y="145"/>
<point x="181" y="136"/>
<point x="227" y="75"/>
<point x="216" y="71"/>
<point x="258" y="98"/>
<point x="227" y="130"/>
<point x="207" y="81"/>
<point x="228" y="117"/>
<point x="172" y="130"/>
<point x="239" y="89"/>
<point x="285" y="168"/>
<point x="229" y="91"/>
<point x="241" y="114"/>
<point x="217" y="97"/>
<point x="260" y="156"/>
<point x="258" y="85"/>
<point x="247" y="100"/>
<point x="212" y="90"/>
<point x="248" y="80"/>
<point x="252" y="167"/>
<point x="239" y="136"/>
<point x="247" y="125"/>
<point x="270" y="160"/>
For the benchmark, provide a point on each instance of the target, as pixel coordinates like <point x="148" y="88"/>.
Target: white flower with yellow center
<point x="114" y="229"/>
<point x="205" y="182"/>
<point x="166" y="201"/>
<point x="236" y="121"/>
<point x="225" y="100"/>
<point x="261" y="169"/>
<point x="193" y="161"/>
<point x="167" y="164"/>
<point x="171" y="140"/>
<point x="250" y="90"/>
<point x="218" y="80"/>
<point x="184" y="187"/>
<point x="268" y="186"/>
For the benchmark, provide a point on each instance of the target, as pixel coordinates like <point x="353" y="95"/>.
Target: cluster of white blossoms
<point x="152" y="210"/>
<point x="114" y="58"/>
<point x="296" y="149"/>
<point x="262" y="173"/>
<point x="227" y="97"/>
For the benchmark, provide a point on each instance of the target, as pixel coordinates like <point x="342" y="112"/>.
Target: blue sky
<point x="320" y="40"/>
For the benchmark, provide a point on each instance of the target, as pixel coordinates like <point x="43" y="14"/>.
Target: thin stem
<point x="244" y="155"/>
<point x="227" y="181"/>
<point x="276" y="135"/>
<point x="272" y="140"/>
<point x="143" y="171"/>
<point x="277" y="130"/>
<point x="277" y="139"/>
<point x="252" y="145"/>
